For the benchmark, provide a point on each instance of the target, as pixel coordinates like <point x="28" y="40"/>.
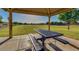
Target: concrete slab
<point x="23" y="42"/>
<point x="16" y="43"/>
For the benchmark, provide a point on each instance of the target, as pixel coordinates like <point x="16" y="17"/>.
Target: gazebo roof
<point x="40" y="11"/>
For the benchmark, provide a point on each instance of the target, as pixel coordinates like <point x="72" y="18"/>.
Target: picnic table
<point x="50" y="34"/>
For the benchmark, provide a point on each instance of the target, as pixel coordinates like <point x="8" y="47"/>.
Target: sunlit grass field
<point x="26" y="29"/>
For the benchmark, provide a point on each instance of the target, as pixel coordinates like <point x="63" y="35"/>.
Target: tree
<point x="68" y="17"/>
<point x="0" y="19"/>
<point x="75" y="15"/>
<point x="65" y="17"/>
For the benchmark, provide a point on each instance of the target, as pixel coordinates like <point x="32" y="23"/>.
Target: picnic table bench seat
<point x="72" y="42"/>
<point x="36" y="45"/>
<point x="56" y="48"/>
<point x="61" y="40"/>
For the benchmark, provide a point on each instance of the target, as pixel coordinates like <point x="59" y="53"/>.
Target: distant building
<point x="3" y="24"/>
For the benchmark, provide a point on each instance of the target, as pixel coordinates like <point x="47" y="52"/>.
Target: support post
<point x="49" y="23"/>
<point x="49" y="19"/>
<point x="10" y="23"/>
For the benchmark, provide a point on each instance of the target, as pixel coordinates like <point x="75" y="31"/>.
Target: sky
<point x="26" y="18"/>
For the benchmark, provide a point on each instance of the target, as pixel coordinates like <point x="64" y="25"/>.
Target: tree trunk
<point x="68" y="25"/>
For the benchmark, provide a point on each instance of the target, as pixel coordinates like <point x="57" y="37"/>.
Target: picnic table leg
<point x="55" y="42"/>
<point x="43" y="45"/>
<point x="43" y="40"/>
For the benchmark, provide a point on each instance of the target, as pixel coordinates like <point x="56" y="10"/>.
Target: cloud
<point x="24" y="18"/>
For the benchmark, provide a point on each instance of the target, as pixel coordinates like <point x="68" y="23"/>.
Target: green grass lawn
<point x="25" y="29"/>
